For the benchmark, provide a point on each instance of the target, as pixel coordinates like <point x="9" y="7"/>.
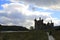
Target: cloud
<point x="19" y="14"/>
<point x="46" y="4"/>
<point x="56" y="21"/>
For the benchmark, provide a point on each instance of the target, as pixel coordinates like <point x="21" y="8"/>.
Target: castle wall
<point x="39" y="25"/>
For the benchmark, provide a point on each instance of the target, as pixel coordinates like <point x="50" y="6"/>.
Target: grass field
<point x="32" y="35"/>
<point x="56" y="35"/>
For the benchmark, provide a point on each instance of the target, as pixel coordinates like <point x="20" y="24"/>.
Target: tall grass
<point x="31" y="35"/>
<point x="56" y="35"/>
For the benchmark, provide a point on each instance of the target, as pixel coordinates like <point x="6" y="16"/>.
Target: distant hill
<point x="12" y="28"/>
<point x="57" y="27"/>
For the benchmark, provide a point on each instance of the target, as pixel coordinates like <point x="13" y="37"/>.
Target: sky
<point x="23" y="12"/>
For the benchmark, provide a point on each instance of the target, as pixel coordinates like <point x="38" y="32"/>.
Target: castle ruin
<point x="39" y="25"/>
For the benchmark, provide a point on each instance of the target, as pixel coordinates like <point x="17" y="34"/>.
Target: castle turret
<point x="39" y="24"/>
<point x="35" y="23"/>
<point x="52" y="24"/>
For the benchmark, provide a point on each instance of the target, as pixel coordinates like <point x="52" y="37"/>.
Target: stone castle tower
<point x="39" y="25"/>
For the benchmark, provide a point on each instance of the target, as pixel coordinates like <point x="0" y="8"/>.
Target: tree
<point x="31" y="28"/>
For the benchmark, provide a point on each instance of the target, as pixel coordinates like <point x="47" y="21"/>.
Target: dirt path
<point x="50" y="37"/>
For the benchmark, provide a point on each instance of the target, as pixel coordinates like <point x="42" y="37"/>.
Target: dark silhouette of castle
<point x="39" y="25"/>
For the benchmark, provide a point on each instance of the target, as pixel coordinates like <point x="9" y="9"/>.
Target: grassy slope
<point x="33" y="35"/>
<point x="56" y="35"/>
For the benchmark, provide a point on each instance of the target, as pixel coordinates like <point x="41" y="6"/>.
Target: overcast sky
<point x="23" y="12"/>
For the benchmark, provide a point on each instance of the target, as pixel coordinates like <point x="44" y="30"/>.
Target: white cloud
<point x="4" y="20"/>
<point x="46" y="4"/>
<point x="17" y="7"/>
<point x="19" y="14"/>
<point x="14" y="7"/>
<point x="56" y="21"/>
<point x="15" y="0"/>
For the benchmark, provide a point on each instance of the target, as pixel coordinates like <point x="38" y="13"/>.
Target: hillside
<point x="12" y="28"/>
